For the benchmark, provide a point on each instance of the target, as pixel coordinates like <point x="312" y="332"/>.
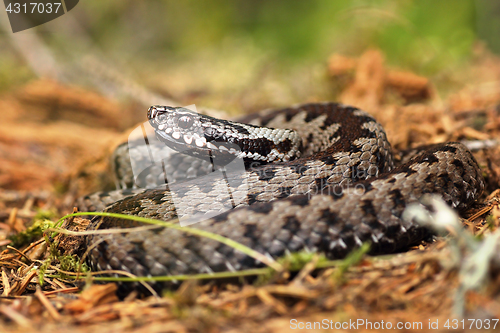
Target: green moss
<point x="68" y="263"/>
<point x="32" y="233"/>
<point x="72" y="264"/>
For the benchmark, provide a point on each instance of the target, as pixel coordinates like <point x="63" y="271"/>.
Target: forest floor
<point x="55" y="140"/>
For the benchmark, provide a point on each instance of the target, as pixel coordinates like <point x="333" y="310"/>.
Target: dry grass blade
<point x="46" y="303"/>
<point x="267" y="299"/>
<point x="26" y="280"/>
<point x="15" y="316"/>
<point x="6" y="284"/>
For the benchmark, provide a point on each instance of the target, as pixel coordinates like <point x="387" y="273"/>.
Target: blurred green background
<point x="426" y="34"/>
<point x="191" y="48"/>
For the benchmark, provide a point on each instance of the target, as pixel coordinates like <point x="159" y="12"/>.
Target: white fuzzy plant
<point x="471" y="255"/>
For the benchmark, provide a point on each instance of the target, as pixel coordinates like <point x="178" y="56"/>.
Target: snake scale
<point x="326" y="184"/>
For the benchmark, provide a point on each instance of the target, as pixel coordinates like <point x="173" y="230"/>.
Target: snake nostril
<point x="152" y="112"/>
<point x="157" y="114"/>
<point x="161" y="118"/>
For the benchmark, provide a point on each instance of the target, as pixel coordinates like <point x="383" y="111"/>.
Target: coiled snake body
<point x="327" y="187"/>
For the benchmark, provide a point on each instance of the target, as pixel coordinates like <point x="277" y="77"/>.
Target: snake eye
<point x="185" y="122"/>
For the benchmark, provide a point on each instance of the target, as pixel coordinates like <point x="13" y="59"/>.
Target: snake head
<point x="193" y="134"/>
<point x="177" y="124"/>
<point x="200" y="135"/>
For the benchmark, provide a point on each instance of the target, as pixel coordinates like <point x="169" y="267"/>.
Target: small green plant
<point x="41" y="222"/>
<point x="353" y="258"/>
